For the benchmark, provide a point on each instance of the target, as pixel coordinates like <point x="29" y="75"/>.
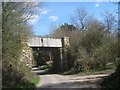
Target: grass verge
<point x="70" y="72"/>
<point x="34" y="81"/>
<point x="45" y="67"/>
<point x="96" y="70"/>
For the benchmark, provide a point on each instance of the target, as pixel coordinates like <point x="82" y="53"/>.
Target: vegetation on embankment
<point x="94" y="49"/>
<point x="94" y="44"/>
<point x="31" y="84"/>
<point x="44" y="67"/>
<point x="113" y="80"/>
<point x="15" y="32"/>
<point x="42" y="59"/>
<point x="71" y="72"/>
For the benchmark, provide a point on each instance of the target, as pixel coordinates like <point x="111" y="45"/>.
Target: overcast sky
<point x="57" y="13"/>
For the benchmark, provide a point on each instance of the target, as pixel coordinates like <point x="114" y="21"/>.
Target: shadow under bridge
<point x="57" y="47"/>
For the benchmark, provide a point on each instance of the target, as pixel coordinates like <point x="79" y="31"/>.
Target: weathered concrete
<point x="44" y="42"/>
<point x="65" y="44"/>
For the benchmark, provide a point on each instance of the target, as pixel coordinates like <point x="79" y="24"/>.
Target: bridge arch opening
<point x="52" y="58"/>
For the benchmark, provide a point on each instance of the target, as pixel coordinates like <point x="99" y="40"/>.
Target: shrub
<point x="43" y="67"/>
<point x="113" y="80"/>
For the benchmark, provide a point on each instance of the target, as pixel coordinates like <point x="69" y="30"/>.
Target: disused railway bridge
<point x="58" y="48"/>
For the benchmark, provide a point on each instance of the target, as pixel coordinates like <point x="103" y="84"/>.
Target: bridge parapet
<point x="44" y="42"/>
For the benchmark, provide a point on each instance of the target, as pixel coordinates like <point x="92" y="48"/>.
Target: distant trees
<point x="41" y="57"/>
<point x="113" y="80"/>
<point x="79" y="18"/>
<point x="63" y="30"/>
<point x="15" y="31"/>
<point x="93" y="47"/>
<point x="82" y="19"/>
<point x="109" y="20"/>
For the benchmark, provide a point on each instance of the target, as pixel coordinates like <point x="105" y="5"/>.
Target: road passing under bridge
<point x="91" y="80"/>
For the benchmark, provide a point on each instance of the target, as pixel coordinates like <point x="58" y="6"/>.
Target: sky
<point x="54" y="14"/>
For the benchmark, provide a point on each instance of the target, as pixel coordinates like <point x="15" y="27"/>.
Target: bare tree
<point x="109" y="20"/>
<point x="79" y="18"/>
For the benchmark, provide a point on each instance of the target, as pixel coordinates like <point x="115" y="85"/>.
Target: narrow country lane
<point x="71" y="81"/>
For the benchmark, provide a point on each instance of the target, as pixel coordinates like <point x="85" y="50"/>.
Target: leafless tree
<point x="79" y="18"/>
<point x="109" y="19"/>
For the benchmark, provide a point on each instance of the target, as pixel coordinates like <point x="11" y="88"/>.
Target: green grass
<point x="67" y="73"/>
<point x="47" y="69"/>
<point x="43" y="67"/>
<point x="34" y="81"/>
<point x="91" y="71"/>
<point x="96" y="70"/>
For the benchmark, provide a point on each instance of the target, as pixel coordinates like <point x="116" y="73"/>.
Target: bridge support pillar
<point x="65" y="59"/>
<point x="65" y="44"/>
<point x="60" y="60"/>
<point x="57" y="60"/>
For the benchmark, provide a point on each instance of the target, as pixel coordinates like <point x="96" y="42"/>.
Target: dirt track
<point x="91" y="80"/>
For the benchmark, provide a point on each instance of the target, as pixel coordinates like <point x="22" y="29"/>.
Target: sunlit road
<point x="71" y="81"/>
